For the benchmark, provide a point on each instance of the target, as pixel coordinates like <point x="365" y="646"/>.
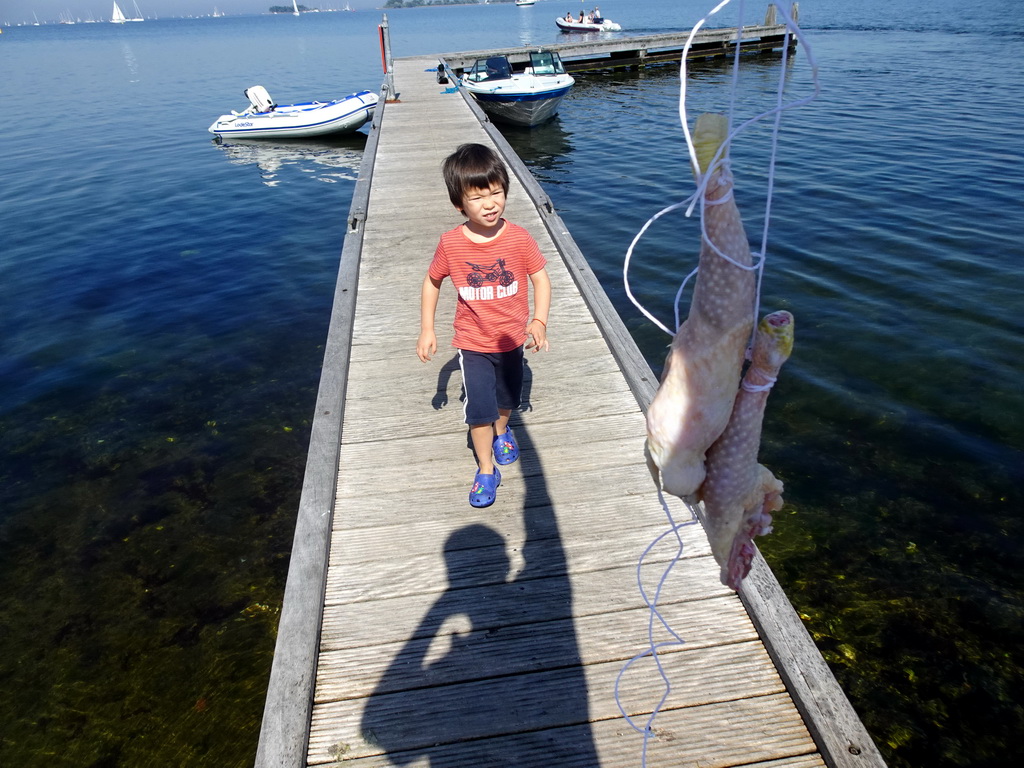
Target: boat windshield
<point x="546" y="63"/>
<point x="493" y="68"/>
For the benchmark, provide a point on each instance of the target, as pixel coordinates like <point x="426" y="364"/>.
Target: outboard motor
<point x="260" y="99"/>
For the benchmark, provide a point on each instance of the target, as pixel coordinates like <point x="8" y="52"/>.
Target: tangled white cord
<point x="655" y="616"/>
<point x="717" y="163"/>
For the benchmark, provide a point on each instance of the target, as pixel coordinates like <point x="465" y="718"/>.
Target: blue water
<point x="165" y="301"/>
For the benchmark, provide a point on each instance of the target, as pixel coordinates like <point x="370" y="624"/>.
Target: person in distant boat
<point x="487" y="259"/>
<point x="581" y="17"/>
<point x="568" y="17"/>
<point x="597" y="15"/>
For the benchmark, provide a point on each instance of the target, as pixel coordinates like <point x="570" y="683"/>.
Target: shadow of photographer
<point x="494" y="663"/>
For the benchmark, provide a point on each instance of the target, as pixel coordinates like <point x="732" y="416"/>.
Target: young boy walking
<point x="487" y="259"/>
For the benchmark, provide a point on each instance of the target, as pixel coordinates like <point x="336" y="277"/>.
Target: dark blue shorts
<point x="492" y="380"/>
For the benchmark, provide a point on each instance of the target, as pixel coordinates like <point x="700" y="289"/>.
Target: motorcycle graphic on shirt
<point x="496" y="272"/>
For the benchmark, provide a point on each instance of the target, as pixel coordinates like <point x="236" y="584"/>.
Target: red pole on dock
<point x="385" y="58"/>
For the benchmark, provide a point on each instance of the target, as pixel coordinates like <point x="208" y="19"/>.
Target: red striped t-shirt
<point x="492" y="281"/>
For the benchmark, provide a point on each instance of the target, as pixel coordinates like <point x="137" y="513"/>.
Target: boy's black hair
<point x="472" y="166"/>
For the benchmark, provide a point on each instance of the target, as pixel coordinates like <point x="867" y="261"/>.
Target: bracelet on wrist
<point x="537" y="319"/>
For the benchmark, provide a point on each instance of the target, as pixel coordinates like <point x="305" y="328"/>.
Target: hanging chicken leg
<point x="739" y="494"/>
<point x="702" y="372"/>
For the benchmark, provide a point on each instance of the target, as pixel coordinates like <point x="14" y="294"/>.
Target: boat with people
<point x="587" y="22"/>
<point x="525" y="2"/>
<point x="528" y="97"/>
<point x="264" y="119"/>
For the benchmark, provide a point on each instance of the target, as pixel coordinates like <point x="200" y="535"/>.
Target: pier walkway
<point x="417" y="630"/>
<point x="580" y="53"/>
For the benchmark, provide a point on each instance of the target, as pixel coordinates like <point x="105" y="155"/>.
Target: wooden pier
<point x="417" y="630"/>
<point x="646" y="50"/>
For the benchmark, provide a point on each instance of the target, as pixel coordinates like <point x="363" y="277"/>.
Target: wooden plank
<point x="503" y="704"/>
<point x="703" y="733"/>
<point x="583" y="526"/>
<point x="515" y="648"/>
<point x="713" y="735"/>
<point x="395" y="619"/>
<point x="605" y="436"/>
<point x="371" y="386"/>
<point x="419" y="572"/>
<point x="378" y="512"/>
<point x="374" y="422"/>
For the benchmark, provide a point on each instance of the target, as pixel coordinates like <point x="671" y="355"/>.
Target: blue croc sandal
<point x="484" y="488"/>
<point x="505" y="448"/>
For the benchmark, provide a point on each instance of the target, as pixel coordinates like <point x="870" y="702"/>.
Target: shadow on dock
<point x="464" y="690"/>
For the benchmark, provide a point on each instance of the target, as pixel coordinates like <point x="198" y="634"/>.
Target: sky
<point x="16" y="11"/>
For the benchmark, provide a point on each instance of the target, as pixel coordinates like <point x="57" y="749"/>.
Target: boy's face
<point x="484" y="207"/>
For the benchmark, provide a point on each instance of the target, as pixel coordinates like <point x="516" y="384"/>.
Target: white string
<point x="769" y="381"/>
<point x="717" y="163"/>
<point x="629" y="255"/>
<point x="720" y="165"/>
<point x="654" y="648"/>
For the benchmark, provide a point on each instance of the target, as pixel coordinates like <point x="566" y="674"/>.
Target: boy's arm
<point x="426" y="346"/>
<point x="538" y="327"/>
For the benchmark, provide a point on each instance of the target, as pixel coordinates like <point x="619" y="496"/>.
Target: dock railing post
<point x="386" y="60"/>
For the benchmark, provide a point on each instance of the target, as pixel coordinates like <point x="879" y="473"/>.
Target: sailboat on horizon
<point x="295" y="5"/>
<point x="117" y="15"/>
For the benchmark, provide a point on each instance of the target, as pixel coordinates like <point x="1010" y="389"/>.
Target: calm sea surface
<point x="165" y="301"/>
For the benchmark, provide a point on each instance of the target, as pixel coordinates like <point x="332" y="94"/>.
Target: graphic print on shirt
<point x="494" y="272"/>
<point x="479" y="275"/>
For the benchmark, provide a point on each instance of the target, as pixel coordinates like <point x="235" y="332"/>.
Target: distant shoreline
<point x="402" y="4"/>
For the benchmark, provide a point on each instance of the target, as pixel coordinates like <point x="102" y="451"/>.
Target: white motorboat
<point x="525" y="2"/>
<point x="526" y="98"/>
<point x="593" y="25"/>
<point x="264" y="119"/>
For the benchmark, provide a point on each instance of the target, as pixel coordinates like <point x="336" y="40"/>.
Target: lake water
<point x="165" y="301"/>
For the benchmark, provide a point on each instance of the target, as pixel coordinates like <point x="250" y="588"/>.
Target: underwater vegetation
<point x="145" y="532"/>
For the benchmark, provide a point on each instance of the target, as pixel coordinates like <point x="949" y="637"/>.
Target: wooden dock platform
<point x="581" y="55"/>
<point x="417" y="630"/>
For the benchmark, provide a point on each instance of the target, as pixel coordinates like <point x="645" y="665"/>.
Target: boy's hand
<point x="539" y="332"/>
<point x="426" y="346"/>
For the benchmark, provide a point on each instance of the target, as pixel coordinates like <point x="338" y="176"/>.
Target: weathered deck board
<point x="692" y="737"/>
<point x="352" y="672"/>
<point x="418" y="718"/>
<point x="532" y="600"/>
